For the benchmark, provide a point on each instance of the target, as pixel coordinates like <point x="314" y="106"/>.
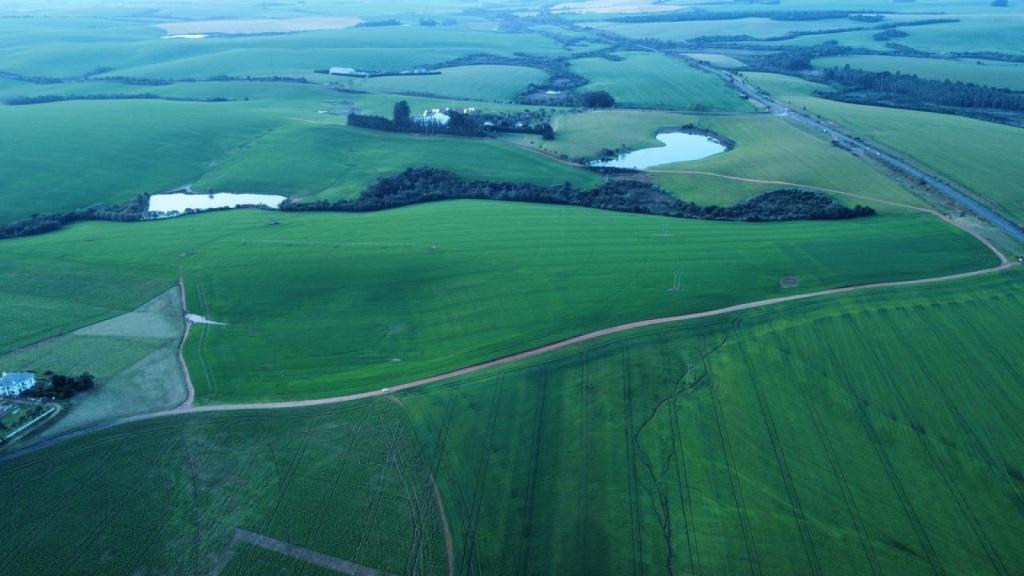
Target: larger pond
<point x="678" y="147"/>
<point x="163" y="205"/>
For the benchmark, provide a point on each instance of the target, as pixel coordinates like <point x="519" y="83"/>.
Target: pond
<point x="678" y="147"/>
<point x="164" y="205"/>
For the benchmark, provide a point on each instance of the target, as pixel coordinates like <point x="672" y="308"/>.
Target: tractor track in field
<point x="187" y="408"/>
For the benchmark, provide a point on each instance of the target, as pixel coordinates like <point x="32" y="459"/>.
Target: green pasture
<point x="329" y="160"/>
<point x="982" y="157"/>
<point x="767" y="148"/>
<point x="650" y="80"/>
<point x="718" y="60"/>
<point x="166" y="497"/>
<point x="324" y="304"/>
<point x="67" y="155"/>
<point x="873" y="433"/>
<point x="757" y="28"/>
<point x="983" y="72"/>
<point x="491" y="83"/>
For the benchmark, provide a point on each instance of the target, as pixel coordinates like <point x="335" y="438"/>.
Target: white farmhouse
<point x="14" y="383"/>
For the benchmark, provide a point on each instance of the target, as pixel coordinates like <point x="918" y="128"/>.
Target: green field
<point x="648" y="80"/>
<point x="70" y="155"/>
<point x="328" y="160"/>
<point x="982" y="157"/>
<point x="870" y="433"/>
<point x="860" y="431"/>
<point x="492" y="83"/>
<point x="984" y="72"/>
<point x="767" y="148"/>
<point x="391" y="296"/>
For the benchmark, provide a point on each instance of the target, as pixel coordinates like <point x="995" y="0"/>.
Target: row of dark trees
<point x="49" y="98"/>
<point x="61" y="387"/>
<point x="42" y="223"/>
<point x="418" y="185"/>
<point x="910" y="91"/>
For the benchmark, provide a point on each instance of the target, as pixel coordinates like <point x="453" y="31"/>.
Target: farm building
<point x="14" y="383"/>
<point x="435" y="117"/>
<point x="340" y="71"/>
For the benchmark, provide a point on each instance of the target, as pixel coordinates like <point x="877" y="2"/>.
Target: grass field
<point x="718" y="60"/>
<point x="492" y="83"/>
<point x="647" y="80"/>
<point x="982" y="157"/>
<point x="73" y="154"/>
<point x="984" y="72"/>
<point x="391" y="296"/>
<point x="328" y="160"/>
<point x="167" y="497"/>
<point x="875" y="433"/>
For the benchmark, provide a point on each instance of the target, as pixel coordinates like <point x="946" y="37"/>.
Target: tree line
<point x="42" y="223"/>
<point x="911" y="91"/>
<point x="61" y="387"/>
<point x="419" y="185"/>
<point x="49" y="98"/>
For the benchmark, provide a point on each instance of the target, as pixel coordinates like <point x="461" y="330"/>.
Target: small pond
<point x="181" y="202"/>
<point x="678" y="147"/>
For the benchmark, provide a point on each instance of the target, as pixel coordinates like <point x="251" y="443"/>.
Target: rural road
<point x="898" y="164"/>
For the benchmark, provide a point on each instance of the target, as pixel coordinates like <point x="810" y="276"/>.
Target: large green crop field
<point x="803" y="421"/>
<point x="492" y="83"/>
<point x="646" y="80"/>
<point x="867" y="434"/>
<point x="982" y="157"/>
<point x="392" y="296"/>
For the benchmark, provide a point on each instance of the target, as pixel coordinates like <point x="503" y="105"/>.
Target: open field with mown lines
<point x="395" y="295"/>
<point x="779" y="441"/>
<point x="477" y="387"/>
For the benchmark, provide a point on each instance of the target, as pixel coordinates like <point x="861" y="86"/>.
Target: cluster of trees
<point x="910" y="91"/>
<point x="890" y="34"/>
<point x="459" y="124"/>
<point x="797" y="58"/>
<point x="48" y="98"/>
<point x="61" y="387"/>
<point x="42" y="223"/>
<point x="431" y="23"/>
<point x="418" y="185"/>
<point x="379" y="23"/>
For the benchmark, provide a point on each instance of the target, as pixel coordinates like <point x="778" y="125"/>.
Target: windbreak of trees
<point x="49" y="98"/>
<point x="418" y="185"/>
<point x="42" y="223"/>
<point x="61" y="387"/>
<point x="910" y="91"/>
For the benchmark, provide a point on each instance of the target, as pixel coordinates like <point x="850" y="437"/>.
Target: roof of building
<point x="9" y="378"/>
